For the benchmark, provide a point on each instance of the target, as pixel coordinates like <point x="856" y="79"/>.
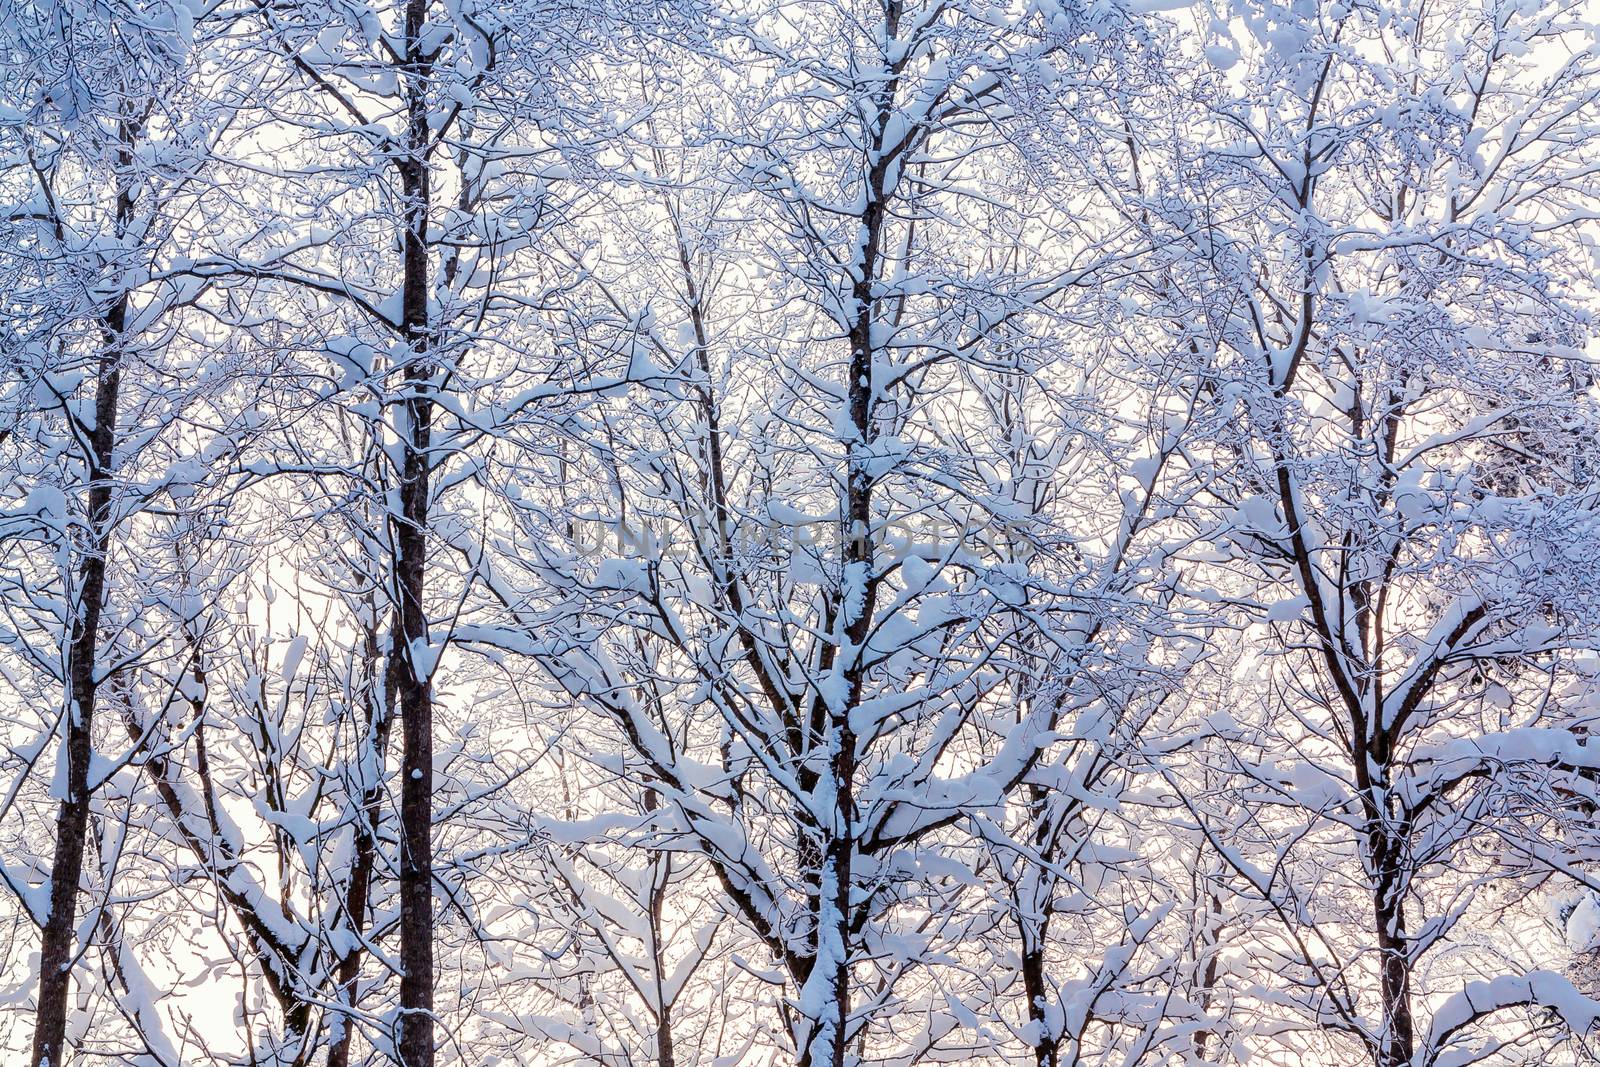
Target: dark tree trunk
<point x="1399" y="1025"/>
<point x="660" y="883"/>
<point x="72" y="819"/>
<point x="830" y="1036"/>
<point x="1038" y="990"/>
<point x="358" y="892"/>
<point x="665" y="1056"/>
<point x="858" y="588"/>
<point x="1035" y="934"/>
<point x="414" y="680"/>
<point x="1210" y="934"/>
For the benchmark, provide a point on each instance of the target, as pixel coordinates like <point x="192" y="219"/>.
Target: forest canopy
<point x="705" y="533"/>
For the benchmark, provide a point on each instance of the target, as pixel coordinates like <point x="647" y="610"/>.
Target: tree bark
<point x="829" y="1034"/>
<point x="72" y="818"/>
<point x="414" y="680"/>
<point x="1038" y="991"/>
<point x="1035" y="934"/>
<point x="1399" y="1024"/>
<point x="359" y="891"/>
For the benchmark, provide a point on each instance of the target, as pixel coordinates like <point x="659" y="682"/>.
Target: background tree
<point x="107" y="140"/>
<point x="805" y="636"/>
<point x="1375" y="232"/>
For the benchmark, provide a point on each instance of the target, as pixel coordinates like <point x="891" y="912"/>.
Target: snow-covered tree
<point x="807" y="532"/>
<point x="814" y="624"/>
<point x="414" y="152"/>
<point x="110" y="421"/>
<point x="1375" y="224"/>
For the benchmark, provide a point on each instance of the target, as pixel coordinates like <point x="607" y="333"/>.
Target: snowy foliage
<point x="818" y="532"/>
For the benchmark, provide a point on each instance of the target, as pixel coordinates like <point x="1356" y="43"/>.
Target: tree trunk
<point x="1399" y="1025"/>
<point x="414" y="682"/>
<point x="829" y="1036"/>
<point x="660" y="881"/>
<point x="829" y="1031"/>
<point x="72" y="819"/>
<point x="665" y="1056"/>
<point x="1035" y="932"/>
<point x="1205" y="993"/>
<point x="366" y="847"/>
<point x="1038" y="990"/>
